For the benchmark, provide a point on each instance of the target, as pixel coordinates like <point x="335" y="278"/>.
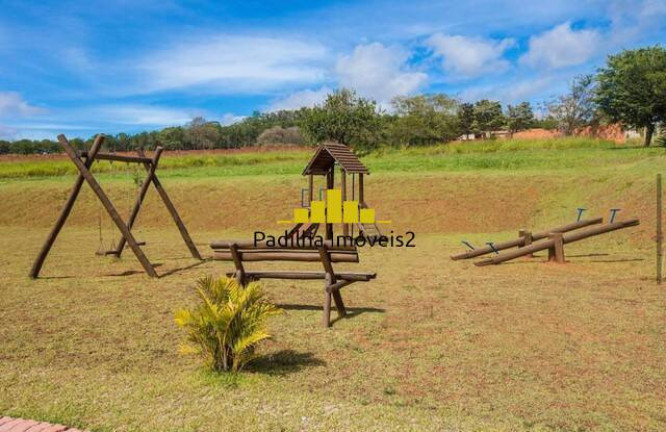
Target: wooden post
<point x="142" y="194"/>
<point x="174" y="213"/>
<point x="527" y="240"/>
<point x="361" y="197"/>
<point x="310" y="189"/>
<point x="329" y="282"/>
<point x="67" y="209"/>
<point x="353" y="191"/>
<point x="113" y="213"/>
<point x="327" y="302"/>
<point x="238" y="263"/>
<point x="176" y="218"/>
<point x="343" y="186"/>
<point x="660" y="232"/>
<point x="330" y="184"/>
<point x="339" y="304"/>
<point x="556" y="252"/>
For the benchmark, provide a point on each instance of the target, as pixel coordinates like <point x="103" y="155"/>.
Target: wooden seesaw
<point x="552" y="240"/>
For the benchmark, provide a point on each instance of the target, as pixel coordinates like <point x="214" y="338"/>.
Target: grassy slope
<point x="433" y="344"/>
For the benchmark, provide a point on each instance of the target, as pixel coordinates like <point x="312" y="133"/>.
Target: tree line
<point x="629" y="89"/>
<point x="344" y="116"/>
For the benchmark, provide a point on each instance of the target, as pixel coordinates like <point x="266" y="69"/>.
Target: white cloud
<point x="378" y="72"/>
<point x="634" y="21"/>
<point x="470" y="57"/>
<point x="561" y="47"/>
<point x="49" y="126"/>
<point x="512" y="92"/>
<point x="12" y="104"/>
<point x="230" y="118"/>
<point x="299" y="99"/>
<point x="138" y="115"/>
<point x="233" y="64"/>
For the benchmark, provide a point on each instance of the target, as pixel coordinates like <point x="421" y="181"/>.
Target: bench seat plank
<point x="307" y="275"/>
<point x="310" y="256"/>
<point x="245" y="244"/>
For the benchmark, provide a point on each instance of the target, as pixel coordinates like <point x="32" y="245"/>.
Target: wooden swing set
<point x="84" y="162"/>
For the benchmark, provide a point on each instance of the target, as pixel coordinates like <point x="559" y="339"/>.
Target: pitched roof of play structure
<point x="330" y="152"/>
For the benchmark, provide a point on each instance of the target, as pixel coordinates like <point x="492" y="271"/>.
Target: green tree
<point x="466" y="118"/>
<point x="424" y="120"/>
<point x="344" y="117"/>
<point x="172" y="138"/>
<point x="632" y="88"/>
<point x="576" y="108"/>
<point x="488" y="116"/>
<point x="202" y="134"/>
<point x="519" y="117"/>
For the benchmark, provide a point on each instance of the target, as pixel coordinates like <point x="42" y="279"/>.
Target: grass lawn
<point x="432" y="344"/>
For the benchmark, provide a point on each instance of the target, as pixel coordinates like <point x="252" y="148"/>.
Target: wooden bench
<point x="241" y="252"/>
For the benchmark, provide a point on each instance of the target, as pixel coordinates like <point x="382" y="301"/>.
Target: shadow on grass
<point x="187" y="267"/>
<point x="619" y="260"/>
<point x="284" y="362"/>
<point x="588" y="255"/>
<point x="55" y="277"/>
<point x="351" y="312"/>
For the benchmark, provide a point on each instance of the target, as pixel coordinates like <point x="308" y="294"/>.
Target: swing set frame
<point x="84" y="162"/>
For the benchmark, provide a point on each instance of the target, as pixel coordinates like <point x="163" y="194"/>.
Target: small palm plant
<point x="228" y="324"/>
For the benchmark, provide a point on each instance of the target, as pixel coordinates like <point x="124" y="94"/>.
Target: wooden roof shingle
<point x="330" y="152"/>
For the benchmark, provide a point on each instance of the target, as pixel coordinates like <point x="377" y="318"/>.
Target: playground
<point x="431" y="343"/>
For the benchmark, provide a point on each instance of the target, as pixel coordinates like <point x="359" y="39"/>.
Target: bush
<point x="280" y="136"/>
<point x="227" y="326"/>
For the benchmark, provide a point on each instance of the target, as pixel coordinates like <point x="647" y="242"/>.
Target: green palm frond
<point x="228" y="324"/>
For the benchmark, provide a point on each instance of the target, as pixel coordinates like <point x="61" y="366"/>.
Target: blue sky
<point x="81" y="68"/>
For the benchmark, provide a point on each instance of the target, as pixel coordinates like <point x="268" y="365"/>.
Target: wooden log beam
<point x="139" y="200"/>
<point x="527" y="239"/>
<point x="556" y="253"/>
<point x="108" y="206"/>
<point x="249" y="244"/>
<point x="660" y="231"/>
<point x="284" y="275"/>
<point x="66" y="210"/>
<point x="594" y="231"/>
<point x="119" y="158"/>
<point x="173" y="212"/>
<point x="313" y="256"/>
<point x="175" y="216"/>
<point x="327" y="300"/>
<point x="307" y="275"/>
<point x="521" y="241"/>
<point x="548" y="244"/>
<point x="295" y="251"/>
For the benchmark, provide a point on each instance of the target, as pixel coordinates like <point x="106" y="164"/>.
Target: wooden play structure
<point x="323" y="163"/>
<point x="84" y="162"/>
<point x="327" y="254"/>
<point x="552" y="240"/>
